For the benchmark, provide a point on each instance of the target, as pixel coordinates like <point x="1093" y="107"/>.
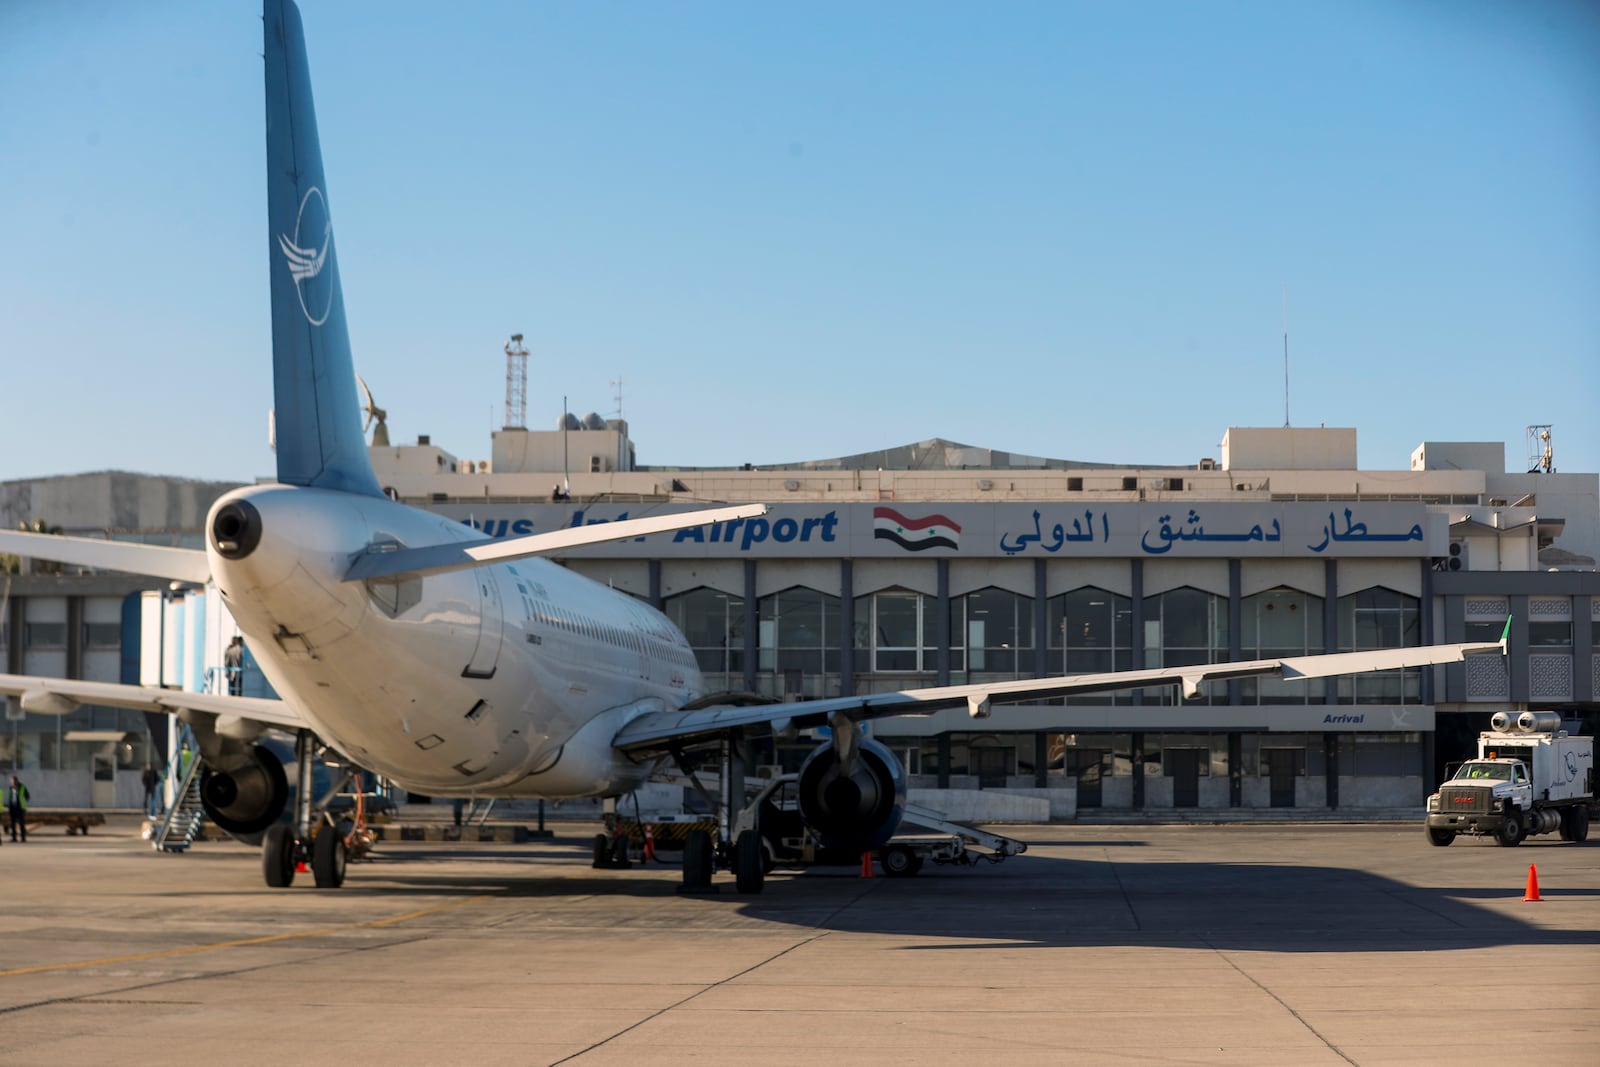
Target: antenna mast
<point x="617" y="385"/>
<point x="516" y="384"/>
<point x="1541" y="449"/>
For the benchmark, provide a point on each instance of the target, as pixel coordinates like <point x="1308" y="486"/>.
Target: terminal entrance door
<point x="1283" y="767"/>
<point x="992" y="766"/>
<point x="1084" y="765"/>
<point x="103" y="793"/>
<point x="1183" y="767"/>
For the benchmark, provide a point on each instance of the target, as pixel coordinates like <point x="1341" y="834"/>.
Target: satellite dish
<point x="380" y="436"/>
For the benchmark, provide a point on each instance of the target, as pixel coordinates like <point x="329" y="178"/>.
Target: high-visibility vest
<point x="17" y="797"/>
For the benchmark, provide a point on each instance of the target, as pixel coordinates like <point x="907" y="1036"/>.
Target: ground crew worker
<point x="17" y="808"/>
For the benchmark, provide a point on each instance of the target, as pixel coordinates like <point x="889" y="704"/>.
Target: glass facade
<point x="1380" y="618"/>
<point x="991" y="635"/>
<point x="797" y="648"/>
<point x="1181" y="627"/>
<point x="897" y="632"/>
<point x="713" y="621"/>
<point x="1091" y="632"/>
<point x="1280" y="622"/>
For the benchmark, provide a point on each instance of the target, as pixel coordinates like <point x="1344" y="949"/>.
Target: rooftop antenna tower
<point x="616" y="384"/>
<point x="1541" y="450"/>
<point x="516" y="384"/>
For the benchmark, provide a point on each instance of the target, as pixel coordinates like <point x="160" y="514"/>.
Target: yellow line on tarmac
<point x="243" y="942"/>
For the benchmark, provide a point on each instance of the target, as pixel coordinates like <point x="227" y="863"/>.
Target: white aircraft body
<point x="454" y="664"/>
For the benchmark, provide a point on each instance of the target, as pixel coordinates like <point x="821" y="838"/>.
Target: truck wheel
<point x="899" y="861"/>
<point x="1510" y="832"/>
<point x="1440" y="837"/>
<point x="1578" y="825"/>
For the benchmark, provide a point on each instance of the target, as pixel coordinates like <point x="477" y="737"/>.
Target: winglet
<point x="317" y="417"/>
<point x="1505" y="638"/>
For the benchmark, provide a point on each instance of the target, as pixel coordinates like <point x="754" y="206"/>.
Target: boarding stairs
<point x="185" y="815"/>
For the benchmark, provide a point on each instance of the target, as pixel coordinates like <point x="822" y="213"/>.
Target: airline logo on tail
<point x="306" y="263"/>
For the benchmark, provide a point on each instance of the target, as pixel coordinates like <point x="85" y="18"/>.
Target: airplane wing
<point x="657" y="732"/>
<point x="62" y="696"/>
<point x="437" y="559"/>
<point x="178" y="564"/>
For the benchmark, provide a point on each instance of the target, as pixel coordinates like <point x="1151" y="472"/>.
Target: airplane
<point x="454" y="664"/>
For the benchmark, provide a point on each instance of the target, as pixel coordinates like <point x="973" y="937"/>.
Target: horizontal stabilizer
<point x="438" y="559"/>
<point x="177" y="564"/>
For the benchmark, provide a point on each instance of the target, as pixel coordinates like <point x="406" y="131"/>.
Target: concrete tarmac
<point x="1238" y="944"/>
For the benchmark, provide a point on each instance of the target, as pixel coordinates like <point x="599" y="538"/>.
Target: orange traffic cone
<point x="1533" y="884"/>
<point x="866" y="865"/>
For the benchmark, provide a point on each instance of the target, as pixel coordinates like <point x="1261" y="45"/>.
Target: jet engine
<point x="855" y="804"/>
<point x="248" y="797"/>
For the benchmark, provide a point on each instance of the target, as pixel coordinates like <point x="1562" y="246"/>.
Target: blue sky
<point x="800" y="231"/>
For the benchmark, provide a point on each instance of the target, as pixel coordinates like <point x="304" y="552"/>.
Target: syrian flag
<point x="914" y="535"/>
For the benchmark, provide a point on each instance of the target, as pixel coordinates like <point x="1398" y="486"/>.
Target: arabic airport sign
<point x="1332" y="530"/>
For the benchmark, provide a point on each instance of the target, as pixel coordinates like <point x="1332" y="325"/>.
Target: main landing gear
<point x="313" y="840"/>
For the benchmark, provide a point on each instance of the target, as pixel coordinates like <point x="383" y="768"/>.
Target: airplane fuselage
<point x="504" y="679"/>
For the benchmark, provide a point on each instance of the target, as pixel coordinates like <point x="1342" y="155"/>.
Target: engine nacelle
<point x="246" y="799"/>
<point x="859" y="811"/>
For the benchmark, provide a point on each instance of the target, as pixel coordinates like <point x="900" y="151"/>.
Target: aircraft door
<point x="491" y="624"/>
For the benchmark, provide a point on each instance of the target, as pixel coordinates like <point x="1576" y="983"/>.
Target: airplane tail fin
<point x="317" y="415"/>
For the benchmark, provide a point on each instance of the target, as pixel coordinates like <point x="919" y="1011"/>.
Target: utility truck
<point x="1530" y="777"/>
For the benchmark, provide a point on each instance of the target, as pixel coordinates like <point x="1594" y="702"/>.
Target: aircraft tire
<point x="749" y="863"/>
<point x="277" y="856"/>
<point x="602" y="852"/>
<point x="329" y="854"/>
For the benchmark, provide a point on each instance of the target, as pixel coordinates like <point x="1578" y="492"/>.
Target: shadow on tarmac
<point x="1029" y="901"/>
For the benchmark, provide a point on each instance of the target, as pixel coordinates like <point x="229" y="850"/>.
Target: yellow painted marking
<point x="109" y="960"/>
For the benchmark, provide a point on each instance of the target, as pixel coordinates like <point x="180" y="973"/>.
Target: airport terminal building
<point x="939" y="563"/>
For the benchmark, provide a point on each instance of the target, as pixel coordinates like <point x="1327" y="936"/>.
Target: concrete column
<point x="1137" y="753"/>
<point x="1330" y="759"/>
<point x="1041" y="640"/>
<point x="1235" y="769"/>
<point x="1235" y="624"/>
<point x="1425" y="617"/>
<point x="1330" y="624"/>
<point x="750" y="626"/>
<point x="653" y="570"/>
<point x="1136" y="594"/>
<point x="847" y="628"/>
<point x="942" y="623"/>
